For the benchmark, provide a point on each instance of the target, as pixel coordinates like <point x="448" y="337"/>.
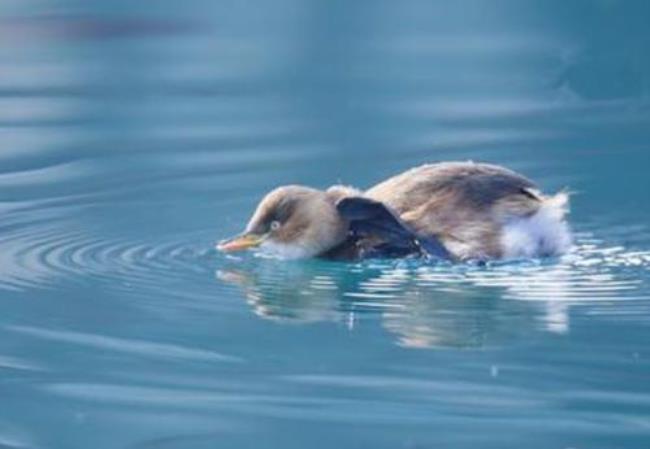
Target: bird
<point x="452" y="211"/>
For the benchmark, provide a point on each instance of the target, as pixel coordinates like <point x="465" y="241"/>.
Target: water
<point x="134" y="136"/>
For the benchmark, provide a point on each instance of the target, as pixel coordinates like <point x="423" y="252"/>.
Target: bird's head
<point x="293" y="222"/>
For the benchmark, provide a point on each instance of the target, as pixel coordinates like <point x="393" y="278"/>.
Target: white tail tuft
<point x="546" y="233"/>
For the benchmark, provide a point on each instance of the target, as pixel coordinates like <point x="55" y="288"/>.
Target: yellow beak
<point x="240" y="243"/>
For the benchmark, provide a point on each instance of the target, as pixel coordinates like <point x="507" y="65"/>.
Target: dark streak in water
<point x="80" y="28"/>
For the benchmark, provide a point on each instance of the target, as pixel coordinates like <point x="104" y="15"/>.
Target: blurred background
<point x="249" y="94"/>
<point x="133" y="135"/>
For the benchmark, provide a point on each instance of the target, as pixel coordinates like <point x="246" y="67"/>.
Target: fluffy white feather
<point x="546" y="233"/>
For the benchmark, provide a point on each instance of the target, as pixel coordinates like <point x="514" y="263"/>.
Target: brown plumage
<point x="476" y="211"/>
<point x="464" y="204"/>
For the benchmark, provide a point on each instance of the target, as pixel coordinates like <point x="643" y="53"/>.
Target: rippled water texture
<point x="134" y="136"/>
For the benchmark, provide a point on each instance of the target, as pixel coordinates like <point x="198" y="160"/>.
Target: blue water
<point x="134" y="135"/>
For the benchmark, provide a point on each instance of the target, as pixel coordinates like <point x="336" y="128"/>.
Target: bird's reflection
<point x="420" y="306"/>
<point x="287" y="292"/>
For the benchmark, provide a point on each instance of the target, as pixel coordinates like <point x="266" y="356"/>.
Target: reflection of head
<point x="287" y="292"/>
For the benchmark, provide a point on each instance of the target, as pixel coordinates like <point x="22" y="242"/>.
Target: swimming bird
<point x="456" y="211"/>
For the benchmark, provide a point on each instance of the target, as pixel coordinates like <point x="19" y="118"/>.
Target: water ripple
<point x="129" y="346"/>
<point x="39" y="254"/>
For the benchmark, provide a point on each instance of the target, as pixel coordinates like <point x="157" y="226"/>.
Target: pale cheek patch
<point x="544" y="234"/>
<point x="284" y="251"/>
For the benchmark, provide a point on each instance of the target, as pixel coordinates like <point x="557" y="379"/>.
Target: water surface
<point x="134" y="137"/>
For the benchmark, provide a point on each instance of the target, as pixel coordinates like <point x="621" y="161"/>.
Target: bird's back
<point x="465" y="204"/>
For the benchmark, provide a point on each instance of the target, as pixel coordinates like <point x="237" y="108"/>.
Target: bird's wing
<point x="369" y="218"/>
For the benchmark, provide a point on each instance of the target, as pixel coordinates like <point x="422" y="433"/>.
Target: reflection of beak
<point x="241" y="243"/>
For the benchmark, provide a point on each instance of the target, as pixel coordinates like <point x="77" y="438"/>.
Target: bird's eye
<point x="275" y="225"/>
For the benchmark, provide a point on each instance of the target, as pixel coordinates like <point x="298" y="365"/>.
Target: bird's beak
<point x="240" y="242"/>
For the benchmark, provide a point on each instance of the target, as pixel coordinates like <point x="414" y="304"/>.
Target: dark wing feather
<point x="372" y="219"/>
